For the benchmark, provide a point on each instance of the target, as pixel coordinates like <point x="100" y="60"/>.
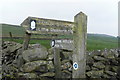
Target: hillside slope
<point x="14" y="29"/>
<point x="101" y="41"/>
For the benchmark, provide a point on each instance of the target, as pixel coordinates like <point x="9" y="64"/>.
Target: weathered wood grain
<point x="57" y="63"/>
<point x="79" y="52"/>
<point x="26" y="41"/>
<point x="48" y="26"/>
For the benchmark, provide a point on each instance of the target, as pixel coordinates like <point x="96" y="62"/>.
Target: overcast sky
<point x="102" y="14"/>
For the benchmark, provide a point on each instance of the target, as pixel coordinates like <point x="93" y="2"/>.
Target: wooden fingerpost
<point x="26" y="41"/>
<point x="79" y="52"/>
<point x="57" y="63"/>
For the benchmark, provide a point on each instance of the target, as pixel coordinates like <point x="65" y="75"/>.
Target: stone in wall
<point x="33" y="66"/>
<point x="35" y="54"/>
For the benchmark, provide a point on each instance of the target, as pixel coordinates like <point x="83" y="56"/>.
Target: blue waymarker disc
<point x="75" y="66"/>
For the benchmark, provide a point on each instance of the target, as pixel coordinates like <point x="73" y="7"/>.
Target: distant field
<point x="98" y="41"/>
<point x="94" y="41"/>
<point x="16" y="30"/>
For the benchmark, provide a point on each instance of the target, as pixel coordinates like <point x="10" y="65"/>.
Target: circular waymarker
<point x="52" y="43"/>
<point x="75" y="65"/>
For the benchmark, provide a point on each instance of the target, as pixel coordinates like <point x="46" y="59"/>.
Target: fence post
<point x="26" y="41"/>
<point x="11" y="36"/>
<point x="57" y="63"/>
<point x="79" y="52"/>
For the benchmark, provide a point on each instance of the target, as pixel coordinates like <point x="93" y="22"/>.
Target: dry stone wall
<point x="103" y="64"/>
<point x="37" y="62"/>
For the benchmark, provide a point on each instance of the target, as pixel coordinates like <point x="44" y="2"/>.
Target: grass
<point x="15" y="29"/>
<point x="96" y="45"/>
<point x="94" y="41"/>
<point x="99" y="41"/>
<point x="91" y="44"/>
<point x="45" y="43"/>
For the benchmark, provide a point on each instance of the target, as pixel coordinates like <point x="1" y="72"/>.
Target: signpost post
<point x="80" y="35"/>
<point x="57" y="63"/>
<point x="26" y="40"/>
